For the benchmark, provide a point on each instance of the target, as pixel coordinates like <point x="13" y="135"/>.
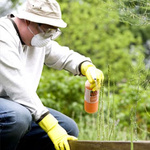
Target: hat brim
<point x="40" y="19"/>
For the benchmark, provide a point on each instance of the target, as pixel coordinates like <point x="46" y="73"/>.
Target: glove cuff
<point x="48" y="122"/>
<point x="85" y="66"/>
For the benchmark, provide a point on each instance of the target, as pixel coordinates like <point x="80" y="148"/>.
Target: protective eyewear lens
<point x="51" y="33"/>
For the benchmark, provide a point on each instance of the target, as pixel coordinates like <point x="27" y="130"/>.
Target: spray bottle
<point x="91" y="97"/>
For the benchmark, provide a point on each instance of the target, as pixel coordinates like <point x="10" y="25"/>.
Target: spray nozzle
<point x="93" y="74"/>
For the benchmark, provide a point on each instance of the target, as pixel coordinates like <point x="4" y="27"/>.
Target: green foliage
<point x="15" y="2"/>
<point x="87" y="127"/>
<point x="125" y="110"/>
<point x="94" y="30"/>
<point x="137" y="99"/>
<point x="135" y="94"/>
<point x="135" y="12"/>
<point x="131" y="113"/>
<point x="62" y="91"/>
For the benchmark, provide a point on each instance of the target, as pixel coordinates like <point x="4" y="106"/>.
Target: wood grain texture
<point x="108" y="145"/>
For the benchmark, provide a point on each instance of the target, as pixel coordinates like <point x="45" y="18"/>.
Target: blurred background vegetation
<point x="115" y="34"/>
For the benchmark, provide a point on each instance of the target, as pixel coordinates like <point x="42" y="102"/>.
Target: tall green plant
<point x="95" y="31"/>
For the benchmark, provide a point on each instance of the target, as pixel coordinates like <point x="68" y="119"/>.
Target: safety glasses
<point x="51" y="33"/>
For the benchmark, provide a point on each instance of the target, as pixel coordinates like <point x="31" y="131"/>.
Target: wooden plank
<point x="108" y="145"/>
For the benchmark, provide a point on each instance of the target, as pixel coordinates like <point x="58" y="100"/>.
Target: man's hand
<point x="56" y="133"/>
<point x="94" y="75"/>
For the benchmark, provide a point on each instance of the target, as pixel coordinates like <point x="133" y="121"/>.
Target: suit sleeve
<point x="61" y="57"/>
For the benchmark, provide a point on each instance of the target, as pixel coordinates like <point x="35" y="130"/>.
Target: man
<point x="26" y="43"/>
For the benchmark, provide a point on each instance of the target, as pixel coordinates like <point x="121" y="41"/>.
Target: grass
<point x="92" y="129"/>
<point x="105" y="125"/>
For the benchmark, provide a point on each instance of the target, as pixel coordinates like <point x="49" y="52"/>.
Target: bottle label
<point x="91" y="96"/>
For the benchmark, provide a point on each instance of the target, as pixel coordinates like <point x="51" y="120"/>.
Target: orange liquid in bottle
<point x="90" y="99"/>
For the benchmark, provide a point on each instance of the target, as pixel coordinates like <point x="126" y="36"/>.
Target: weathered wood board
<point x="108" y="145"/>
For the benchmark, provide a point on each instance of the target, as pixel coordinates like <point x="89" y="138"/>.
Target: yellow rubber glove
<point x="56" y="133"/>
<point x="94" y="75"/>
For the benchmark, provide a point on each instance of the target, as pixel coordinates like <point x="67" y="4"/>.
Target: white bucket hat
<point x="42" y="11"/>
